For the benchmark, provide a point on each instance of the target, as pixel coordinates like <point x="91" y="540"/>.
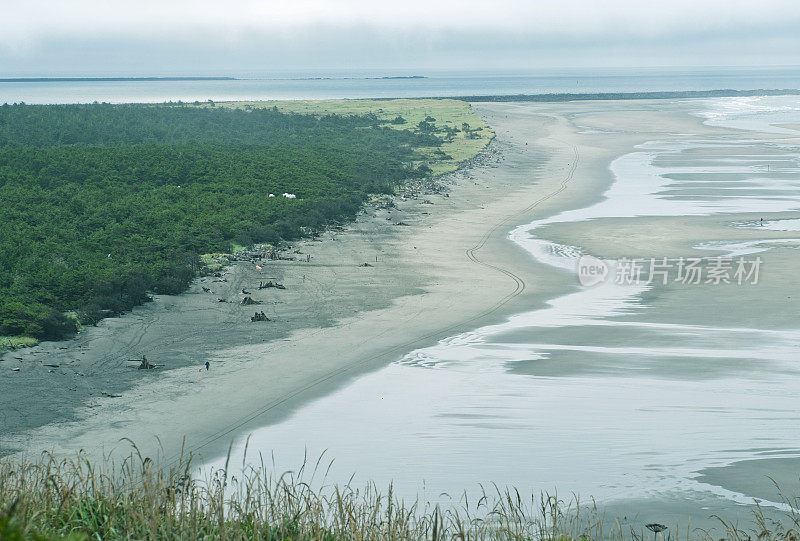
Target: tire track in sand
<point x="520" y="283"/>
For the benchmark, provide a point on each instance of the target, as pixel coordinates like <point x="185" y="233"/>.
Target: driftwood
<point x="245" y="292"/>
<point x="365" y="265"/>
<point x="274" y="255"/>
<point x="206" y="290"/>
<point x="276" y="285"/>
<point x="144" y="364"/>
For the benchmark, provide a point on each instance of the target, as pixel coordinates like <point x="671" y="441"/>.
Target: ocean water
<point x="767" y="114"/>
<point x="602" y="392"/>
<point x="359" y="84"/>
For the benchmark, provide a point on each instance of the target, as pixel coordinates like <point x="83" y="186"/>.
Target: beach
<point x="467" y="351"/>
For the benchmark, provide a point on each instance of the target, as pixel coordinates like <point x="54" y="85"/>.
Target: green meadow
<point x="449" y="118"/>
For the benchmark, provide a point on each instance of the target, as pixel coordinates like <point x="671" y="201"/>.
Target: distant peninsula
<point x="107" y="79"/>
<point x="400" y="77"/>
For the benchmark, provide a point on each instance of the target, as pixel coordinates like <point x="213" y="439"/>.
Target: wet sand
<point x="772" y="478"/>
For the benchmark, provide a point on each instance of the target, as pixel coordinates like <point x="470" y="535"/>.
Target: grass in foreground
<point x="73" y="499"/>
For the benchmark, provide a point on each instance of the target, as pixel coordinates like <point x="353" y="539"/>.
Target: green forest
<point x="102" y="205"/>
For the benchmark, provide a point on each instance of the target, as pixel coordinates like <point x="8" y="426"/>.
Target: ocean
<point x="376" y="84"/>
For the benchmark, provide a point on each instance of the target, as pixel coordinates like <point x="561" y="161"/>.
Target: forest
<point x="103" y="205"/>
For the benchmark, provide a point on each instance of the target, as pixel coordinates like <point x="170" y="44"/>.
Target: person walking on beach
<point x="207" y="365"/>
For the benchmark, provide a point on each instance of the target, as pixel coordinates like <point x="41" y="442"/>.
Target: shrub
<point x="34" y="319"/>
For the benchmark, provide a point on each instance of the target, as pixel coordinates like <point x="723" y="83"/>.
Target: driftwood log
<point x="276" y="285"/>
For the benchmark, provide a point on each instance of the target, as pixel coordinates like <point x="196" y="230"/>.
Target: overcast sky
<point x="80" y="37"/>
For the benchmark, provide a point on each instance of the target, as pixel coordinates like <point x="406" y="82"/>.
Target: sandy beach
<point x="451" y="268"/>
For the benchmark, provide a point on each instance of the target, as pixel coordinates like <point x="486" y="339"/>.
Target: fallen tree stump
<point x="144" y="364"/>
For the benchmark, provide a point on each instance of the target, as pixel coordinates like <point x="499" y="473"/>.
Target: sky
<point x="210" y="37"/>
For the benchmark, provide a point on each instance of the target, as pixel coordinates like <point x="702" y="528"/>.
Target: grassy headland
<point x="106" y="204"/>
<point x="462" y="133"/>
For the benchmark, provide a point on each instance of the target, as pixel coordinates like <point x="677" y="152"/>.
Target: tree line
<point x="104" y="204"/>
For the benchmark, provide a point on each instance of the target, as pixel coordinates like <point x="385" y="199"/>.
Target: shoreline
<point x="619" y="96"/>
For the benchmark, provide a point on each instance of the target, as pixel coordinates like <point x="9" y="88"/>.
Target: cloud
<point x="310" y="33"/>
